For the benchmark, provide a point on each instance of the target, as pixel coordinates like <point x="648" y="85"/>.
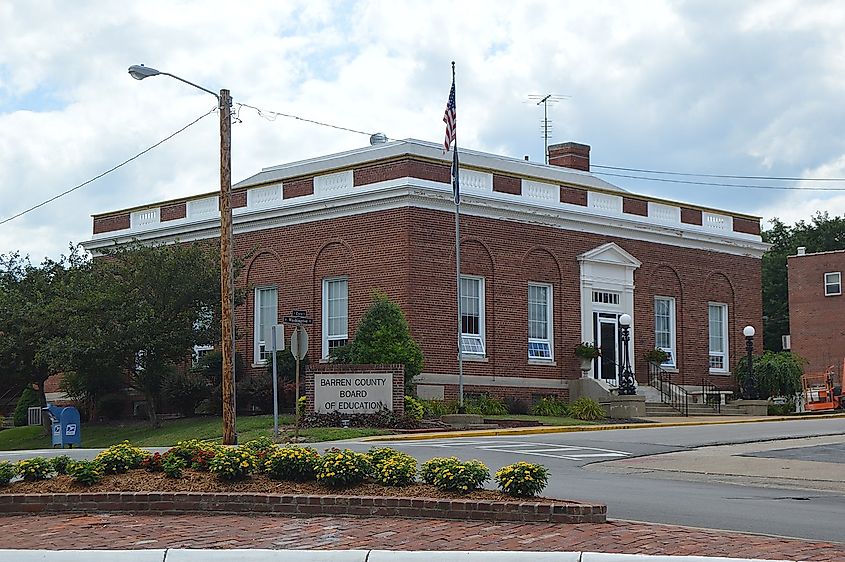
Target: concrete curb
<point x="581" y="428"/>
<point x="264" y="555"/>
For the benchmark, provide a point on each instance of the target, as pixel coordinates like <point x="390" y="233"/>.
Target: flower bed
<point x="262" y="478"/>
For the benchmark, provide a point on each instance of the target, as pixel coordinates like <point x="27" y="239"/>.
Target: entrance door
<point x="607" y="335"/>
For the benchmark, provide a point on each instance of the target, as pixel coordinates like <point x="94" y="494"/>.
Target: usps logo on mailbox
<point x="70" y="429"/>
<point x="57" y="429"/>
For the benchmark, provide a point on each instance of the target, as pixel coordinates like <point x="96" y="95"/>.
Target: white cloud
<point x="711" y="87"/>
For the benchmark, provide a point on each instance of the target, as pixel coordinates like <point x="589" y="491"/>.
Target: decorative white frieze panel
<point x="717" y="222"/>
<point x="263" y="196"/>
<point x="148" y="218"/>
<point x="333" y="184"/>
<point x="664" y="213"/>
<point x="202" y="208"/>
<point x="604" y="202"/>
<point x="540" y="191"/>
<point x="478" y="182"/>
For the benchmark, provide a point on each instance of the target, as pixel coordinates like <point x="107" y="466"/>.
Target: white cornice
<point x="412" y="192"/>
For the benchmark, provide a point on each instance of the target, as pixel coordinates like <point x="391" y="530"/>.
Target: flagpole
<point x="456" y="191"/>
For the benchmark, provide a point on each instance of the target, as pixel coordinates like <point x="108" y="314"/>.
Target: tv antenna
<point x="546" y="124"/>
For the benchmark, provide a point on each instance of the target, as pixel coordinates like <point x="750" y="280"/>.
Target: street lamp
<point x="224" y="103"/>
<point x="627" y="384"/>
<point x="750" y="383"/>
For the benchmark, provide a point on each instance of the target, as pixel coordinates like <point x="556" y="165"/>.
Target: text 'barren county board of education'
<point x="362" y="393"/>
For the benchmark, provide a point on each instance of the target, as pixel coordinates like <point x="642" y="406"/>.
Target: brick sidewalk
<point x="337" y="533"/>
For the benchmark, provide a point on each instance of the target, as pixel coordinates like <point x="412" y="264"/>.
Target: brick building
<point x="816" y="308"/>
<point x="551" y="256"/>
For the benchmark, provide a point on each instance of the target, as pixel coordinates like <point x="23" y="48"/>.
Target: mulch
<point x="195" y="481"/>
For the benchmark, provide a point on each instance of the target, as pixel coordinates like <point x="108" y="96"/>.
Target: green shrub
<point x="187" y="449"/>
<point x="452" y="475"/>
<point x="518" y="406"/>
<point x="86" y="473"/>
<point x="775" y="374"/>
<point x="173" y="465"/>
<point x="153" y="463"/>
<point x="261" y="447"/>
<point x="301" y="405"/>
<point x="485" y="406"/>
<point x="342" y="468"/>
<point x="413" y="408"/>
<point x="36" y="468"/>
<point x="383" y="337"/>
<point x="391" y="467"/>
<point x="292" y="463"/>
<point x="437" y="408"/>
<point x="522" y="479"/>
<point x="781" y="409"/>
<point x="27" y="400"/>
<point x="121" y="457"/>
<point x="185" y="390"/>
<point x="550" y="406"/>
<point x="61" y="464"/>
<point x="233" y="463"/>
<point x="7" y="472"/>
<point x="586" y="409"/>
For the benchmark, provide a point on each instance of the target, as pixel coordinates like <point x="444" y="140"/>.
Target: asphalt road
<point x="767" y="510"/>
<point x="714" y="505"/>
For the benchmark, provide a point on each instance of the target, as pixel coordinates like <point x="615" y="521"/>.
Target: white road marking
<point x="567" y="452"/>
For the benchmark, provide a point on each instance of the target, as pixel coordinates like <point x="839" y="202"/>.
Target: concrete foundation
<point x="753" y="407"/>
<point x="624" y="407"/>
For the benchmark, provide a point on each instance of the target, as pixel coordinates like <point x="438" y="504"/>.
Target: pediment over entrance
<point x="611" y="254"/>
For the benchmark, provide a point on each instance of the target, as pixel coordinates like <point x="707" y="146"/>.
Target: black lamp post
<point x="627" y="384"/>
<point x="750" y="389"/>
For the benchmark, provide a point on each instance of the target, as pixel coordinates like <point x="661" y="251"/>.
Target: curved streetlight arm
<point x="139" y="72"/>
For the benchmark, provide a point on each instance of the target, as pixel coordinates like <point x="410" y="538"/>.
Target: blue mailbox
<point x="65" y="424"/>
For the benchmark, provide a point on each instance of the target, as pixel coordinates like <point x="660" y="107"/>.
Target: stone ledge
<point x="304" y="505"/>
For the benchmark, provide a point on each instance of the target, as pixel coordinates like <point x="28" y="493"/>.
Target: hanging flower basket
<point x="586" y="350"/>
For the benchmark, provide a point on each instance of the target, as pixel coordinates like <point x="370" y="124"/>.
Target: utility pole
<point x="227" y="329"/>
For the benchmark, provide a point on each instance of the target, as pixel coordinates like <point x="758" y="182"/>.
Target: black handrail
<point x="671" y="394"/>
<point x="711" y="396"/>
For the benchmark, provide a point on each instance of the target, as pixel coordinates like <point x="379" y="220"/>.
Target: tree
<point x="821" y="234"/>
<point x="29" y="324"/>
<point x="383" y="337"/>
<point x="161" y="301"/>
<point x="775" y="374"/>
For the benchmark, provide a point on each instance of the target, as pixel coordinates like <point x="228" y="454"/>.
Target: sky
<point x="718" y="87"/>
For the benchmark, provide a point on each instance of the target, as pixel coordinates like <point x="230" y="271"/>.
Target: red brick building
<point x="551" y="256"/>
<point x="817" y="308"/>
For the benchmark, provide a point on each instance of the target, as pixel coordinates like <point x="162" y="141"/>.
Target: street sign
<point x="299" y="343"/>
<point x="280" y="337"/>
<point x="299" y="320"/>
<point x="300" y="313"/>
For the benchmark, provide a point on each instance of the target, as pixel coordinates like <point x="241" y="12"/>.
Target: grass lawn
<point x="543" y="420"/>
<point x="140" y="433"/>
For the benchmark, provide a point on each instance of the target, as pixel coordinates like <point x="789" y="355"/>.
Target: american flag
<point x="450" y="118"/>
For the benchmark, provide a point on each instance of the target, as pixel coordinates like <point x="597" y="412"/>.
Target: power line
<point x="272" y="115"/>
<point x="724" y="176"/>
<point x="110" y="170"/>
<point x="715" y="184"/>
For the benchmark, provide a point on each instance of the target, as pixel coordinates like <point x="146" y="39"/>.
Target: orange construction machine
<point x="823" y="392"/>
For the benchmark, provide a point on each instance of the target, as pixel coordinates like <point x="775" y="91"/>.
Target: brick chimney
<point x="570" y="155"/>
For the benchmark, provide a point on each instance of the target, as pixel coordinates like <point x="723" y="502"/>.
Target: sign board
<point x="299" y="313"/>
<point x="361" y="393"/>
<point x="279" y="331"/>
<point x="299" y="343"/>
<point x="297" y="320"/>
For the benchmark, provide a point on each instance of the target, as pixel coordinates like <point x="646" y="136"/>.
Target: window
<point x="540" y="321"/>
<point x="718" y="326"/>
<point x="266" y="315"/>
<point x="335" y="314"/>
<point x="472" y="315"/>
<point x="664" y="327"/>
<point x="832" y="284"/>
<point x="605" y="297"/>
